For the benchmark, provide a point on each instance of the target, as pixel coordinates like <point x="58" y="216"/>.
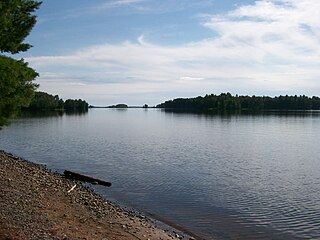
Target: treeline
<point x="225" y="101"/>
<point x="17" y="84"/>
<point x="46" y="102"/>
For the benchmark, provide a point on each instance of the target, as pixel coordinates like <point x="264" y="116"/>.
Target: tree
<point x="76" y="105"/>
<point x="43" y="101"/>
<point x="16" y="78"/>
<point x="16" y="86"/>
<point x="225" y="101"/>
<point x="16" y="23"/>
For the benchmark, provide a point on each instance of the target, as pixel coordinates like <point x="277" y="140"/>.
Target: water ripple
<point x="241" y="177"/>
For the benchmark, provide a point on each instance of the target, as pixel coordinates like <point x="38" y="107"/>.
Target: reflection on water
<point x="278" y="113"/>
<point x="229" y="176"/>
<point x="50" y="113"/>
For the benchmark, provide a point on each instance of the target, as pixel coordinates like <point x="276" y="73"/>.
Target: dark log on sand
<point x="84" y="178"/>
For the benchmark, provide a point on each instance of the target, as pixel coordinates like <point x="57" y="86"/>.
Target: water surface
<point x="219" y="176"/>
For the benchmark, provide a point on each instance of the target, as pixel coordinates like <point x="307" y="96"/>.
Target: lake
<point x="218" y="176"/>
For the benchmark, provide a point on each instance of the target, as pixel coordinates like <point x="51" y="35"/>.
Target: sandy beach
<point x="36" y="203"/>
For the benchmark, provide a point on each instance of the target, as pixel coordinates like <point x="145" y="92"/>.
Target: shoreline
<point x="37" y="203"/>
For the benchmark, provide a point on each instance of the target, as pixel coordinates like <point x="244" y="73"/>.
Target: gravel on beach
<point x="38" y="204"/>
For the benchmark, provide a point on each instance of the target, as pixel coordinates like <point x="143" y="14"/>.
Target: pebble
<point x="39" y="185"/>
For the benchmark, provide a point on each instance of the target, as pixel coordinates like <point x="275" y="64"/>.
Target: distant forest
<point x="46" y="102"/>
<point x="225" y="102"/>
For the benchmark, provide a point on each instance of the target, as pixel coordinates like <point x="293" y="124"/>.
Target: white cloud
<point x="119" y="3"/>
<point x="191" y="79"/>
<point x="268" y="47"/>
<point x="292" y="26"/>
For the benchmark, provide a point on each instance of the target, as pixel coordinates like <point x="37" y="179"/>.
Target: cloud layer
<point x="269" y="47"/>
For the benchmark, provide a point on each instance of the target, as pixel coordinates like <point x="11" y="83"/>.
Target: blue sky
<point x="149" y="51"/>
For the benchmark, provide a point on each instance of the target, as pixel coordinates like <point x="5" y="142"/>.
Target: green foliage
<point x="227" y="102"/>
<point x="16" y="23"/>
<point x="16" y="86"/>
<point x="120" y="105"/>
<point x="76" y="105"/>
<point x="46" y="102"/>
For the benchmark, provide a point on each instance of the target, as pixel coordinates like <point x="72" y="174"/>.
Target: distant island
<point x="121" y="105"/>
<point x="228" y="102"/>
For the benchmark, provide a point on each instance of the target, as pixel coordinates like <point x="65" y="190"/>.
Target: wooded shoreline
<point x="39" y="204"/>
<point x="226" y="101"/>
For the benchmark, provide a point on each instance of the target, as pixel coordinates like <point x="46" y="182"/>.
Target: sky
<point x="149" y="51"/>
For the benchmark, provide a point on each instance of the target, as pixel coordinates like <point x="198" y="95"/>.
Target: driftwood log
<point x="84" y="178"/>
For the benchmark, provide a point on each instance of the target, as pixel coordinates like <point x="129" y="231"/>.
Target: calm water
<point x="221" y="177"/>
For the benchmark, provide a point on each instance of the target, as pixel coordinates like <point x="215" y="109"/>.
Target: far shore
<point x="39" y="204"/>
